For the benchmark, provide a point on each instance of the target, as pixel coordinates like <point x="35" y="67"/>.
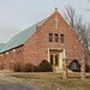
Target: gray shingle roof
<point x="1" y="46"/>
<point x="20" y="38"/>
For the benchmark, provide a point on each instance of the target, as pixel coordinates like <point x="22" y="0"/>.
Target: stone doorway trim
<point x="62" y="55"/>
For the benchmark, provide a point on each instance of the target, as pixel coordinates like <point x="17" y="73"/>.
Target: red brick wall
<point x="88" y="66"/>
<point x="35" y="49"/>
<point x="2" y="61"/>
<point x="30" y="50"/>
<point x="11" y="57"/>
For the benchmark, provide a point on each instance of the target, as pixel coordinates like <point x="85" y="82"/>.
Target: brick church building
<point x="51" y="39"/>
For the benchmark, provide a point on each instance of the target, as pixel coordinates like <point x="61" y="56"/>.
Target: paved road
<point x="4" y="85"/>
<point x="10" y="86"/>
<point x="15" y="84"/>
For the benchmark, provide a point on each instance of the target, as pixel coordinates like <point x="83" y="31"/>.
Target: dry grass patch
<point x="54" y="81"/>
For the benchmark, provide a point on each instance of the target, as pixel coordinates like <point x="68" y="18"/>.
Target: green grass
<point x="54" y="81"/>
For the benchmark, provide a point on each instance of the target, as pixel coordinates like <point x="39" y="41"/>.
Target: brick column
<point x="82" y="69"/>
<point x="64" y="69"/>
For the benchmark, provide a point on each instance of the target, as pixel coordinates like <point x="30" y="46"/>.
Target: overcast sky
<point x="16" y="15"/>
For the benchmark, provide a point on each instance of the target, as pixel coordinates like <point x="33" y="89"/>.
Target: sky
<point x="17" y="15"/>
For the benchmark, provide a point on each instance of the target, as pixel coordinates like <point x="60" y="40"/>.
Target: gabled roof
<point x="20" y="38"/>
<point x="1" y="46"/>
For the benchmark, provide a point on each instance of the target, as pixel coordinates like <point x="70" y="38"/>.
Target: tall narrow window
<point x="56" y="60"/>
<point x="51" y="59"/>
<point x="50" y="37"/>
<point x="62" y="38"/>
<point x="56" y="37"/>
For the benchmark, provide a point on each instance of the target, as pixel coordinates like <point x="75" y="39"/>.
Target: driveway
<point x="9" y="83"/>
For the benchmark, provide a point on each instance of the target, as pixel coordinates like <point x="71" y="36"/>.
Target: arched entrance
<point x="75" y="66"/>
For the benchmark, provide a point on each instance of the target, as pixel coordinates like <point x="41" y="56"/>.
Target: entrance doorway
<point x="56" y="59"/>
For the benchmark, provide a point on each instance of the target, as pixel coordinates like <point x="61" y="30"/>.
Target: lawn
<point x="54" y="81"/>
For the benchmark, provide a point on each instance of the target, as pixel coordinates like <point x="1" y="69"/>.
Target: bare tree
<point x="83" y="38"/>
<point x="76" y="23"/>
<point x="71" y="17"/>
